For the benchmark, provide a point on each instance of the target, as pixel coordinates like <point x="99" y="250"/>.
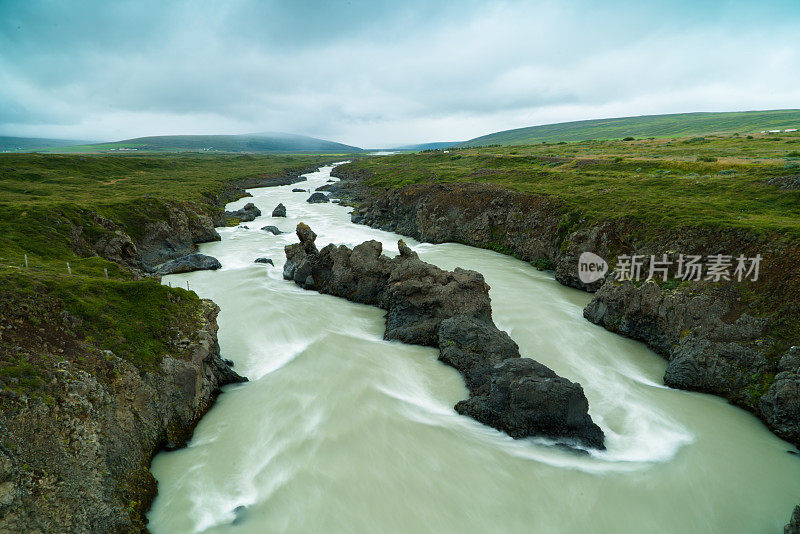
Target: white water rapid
<point x="339" y="431"/>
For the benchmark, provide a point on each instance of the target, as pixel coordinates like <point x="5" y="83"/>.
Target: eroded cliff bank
<point x="75" y="457"/>
<point x="736" y="339"/>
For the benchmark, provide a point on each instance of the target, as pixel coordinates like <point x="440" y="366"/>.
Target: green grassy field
<point x="49" y="203"/>
<point x="676" y="125"/>
<point x="727" y="181"/>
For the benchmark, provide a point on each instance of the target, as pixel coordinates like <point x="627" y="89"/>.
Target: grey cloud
<point x="379" y="73"/>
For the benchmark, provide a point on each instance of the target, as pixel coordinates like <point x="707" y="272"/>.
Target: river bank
<point x="717" y="337"/>
<point x="715" y="340"/>
<point x="103" y="368"/>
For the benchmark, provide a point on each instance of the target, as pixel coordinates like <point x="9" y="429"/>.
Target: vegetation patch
<point x="58" y="297"/>
<point x="721" y="182"/>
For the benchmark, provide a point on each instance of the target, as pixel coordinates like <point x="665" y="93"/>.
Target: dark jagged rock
<point x="175" y="234"/>
<point x="246" y="214"/>
<point x="794" y="523"/>
<point x="474" y="347"/>
<point x="189" y="263"/>
<point x="307" y="238"/>
<point x="450" y="310"/>
<point x="298" y="190"/>
<point x="781" y="403"/>
<point x="328" y="187"/>
<point x="264" y="260"/>
<point x="279" y="211"/>
<point x="525" y="398"/>
<point x="118" y="247"/>
<point x="517" y="395"/>
<point x="318" y="198"/>
<point x="420" y="296"/>
<point x="272" y="229"/>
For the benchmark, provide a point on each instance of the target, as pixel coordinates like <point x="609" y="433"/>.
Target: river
<point x="341" y="431"/>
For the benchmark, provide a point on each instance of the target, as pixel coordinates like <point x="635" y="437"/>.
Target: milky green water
<point x="340" y="431"/>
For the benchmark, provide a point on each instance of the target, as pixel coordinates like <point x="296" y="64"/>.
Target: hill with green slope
<point x="675" y="125"/>
<point x="426" y="146"/>
<point x="25" y="144"/>
<point x="249" y="143"/>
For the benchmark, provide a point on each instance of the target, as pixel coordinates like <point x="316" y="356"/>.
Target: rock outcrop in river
<point x="450" y="310"/>
<point x="318" y="198"/>
<point x="245" y="214"/>
<point x="280" y="210"/>
<point x="189" y="263"/>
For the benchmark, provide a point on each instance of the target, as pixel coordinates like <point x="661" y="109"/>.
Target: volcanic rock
<point x="189" y="263"/>
<point x="279" y="211"/>
<point x="450" y="310"/>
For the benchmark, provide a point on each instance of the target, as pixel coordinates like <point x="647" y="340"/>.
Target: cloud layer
<point x="383" y="73"/>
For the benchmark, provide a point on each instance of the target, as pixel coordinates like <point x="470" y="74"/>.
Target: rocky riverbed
<point x="718" y="337"/>
<point x="715" y="341"/>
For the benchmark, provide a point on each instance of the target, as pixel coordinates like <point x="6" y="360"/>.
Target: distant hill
<point x="259" y="143"/>
<point x="425" y="146"/>
<point x="26" y="144"/>
<point x="675" y="125"/>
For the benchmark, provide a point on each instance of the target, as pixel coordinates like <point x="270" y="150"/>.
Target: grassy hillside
<point x="49" y="206"/>
<point x="728" y="181"/>
<point x="25" y="144"/>
<point x="425" y="146"/>
<point x="250" y="143"/>
<point x="678" y="125"/>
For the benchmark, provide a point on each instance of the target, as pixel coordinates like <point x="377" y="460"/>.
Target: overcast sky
<point x="378" y="74"/>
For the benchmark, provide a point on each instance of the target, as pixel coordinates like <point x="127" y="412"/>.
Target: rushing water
<point x="341" y="431"/>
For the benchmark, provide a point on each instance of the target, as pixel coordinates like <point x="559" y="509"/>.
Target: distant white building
<point x="790" y="130"/>
<point x="774" y="131"/>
